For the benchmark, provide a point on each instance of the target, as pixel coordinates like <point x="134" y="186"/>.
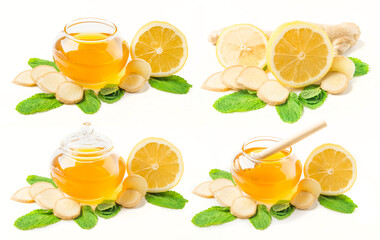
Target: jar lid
<point x="86" y="138"/>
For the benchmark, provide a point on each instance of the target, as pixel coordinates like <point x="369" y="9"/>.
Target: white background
<point x="206" y="138"/>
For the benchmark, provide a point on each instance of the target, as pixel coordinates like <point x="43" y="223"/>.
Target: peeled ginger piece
<point x="219" y="183"/>
<point x="136" y="182"/>
<point x="303" y="200"/>
<point x="229" y="76"/>
<point x="69" y="93"/>
<point x="243" y="207"/>
<point x="139" y="66"/>
<point x="273" y="92"/>
<point x="23" y="196"/>
<point x="48" y="198"/>
<point x="67" y="209"/>
<point x="41" y="70"/>
<point x="132" y="82"/>
<point x="38" y="187"/>
<point x="50" y="82"/>
<point x="227" y="195"/>
<point x="215" y="83"/>
<point x="344" y="65"/>
<point x="129" y="198"/>
<point x="203" y="190"/>
<point x="334" y="82"/>
<point x="310" y="185"/>
<point x="24" y="79"/>
<point x="251" y="78"/>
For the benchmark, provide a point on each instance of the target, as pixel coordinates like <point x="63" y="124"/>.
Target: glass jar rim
<point x="90" y="20"/>
<point x="244" y="149"/>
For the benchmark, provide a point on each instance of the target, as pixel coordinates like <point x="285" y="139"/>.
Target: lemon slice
<point x="299" y="54"/>
<point x="333" y="167"/>
<point x="158" y="161"/>
<point x="242" y="44"/>
<point x="162" y="45"/>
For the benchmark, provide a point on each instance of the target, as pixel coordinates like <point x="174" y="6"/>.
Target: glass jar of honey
<point x="85" y="167"/>
<point x="266" y="180"/>
<point x="90" y="52"/>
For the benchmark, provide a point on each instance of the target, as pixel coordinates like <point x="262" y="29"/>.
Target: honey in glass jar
<point x="266" y="180"/>
<point x="85" y="167"/>
<point x="90" y="52"/>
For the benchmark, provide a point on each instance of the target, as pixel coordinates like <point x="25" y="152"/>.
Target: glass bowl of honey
<point x="91" y="53"/>
<point x="266" y="180"/>
<point x="86" y="168"/>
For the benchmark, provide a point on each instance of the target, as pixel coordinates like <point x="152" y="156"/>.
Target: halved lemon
<point x="162" y="45"/>
<point x="158" y="161"/>
<point x="242" y="44"/>
<point x="333" y="167"/>
<point x="299" y="54"/>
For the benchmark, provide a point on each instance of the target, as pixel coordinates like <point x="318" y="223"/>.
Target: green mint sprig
<point x="90" y="103"/>
<point x="213" y="216"/>
<point x="40" y="102"/>
<point x="217" y="173"/>
<point x="107" y="209"/>
<point x="312" y="96"/>
<point x="34" y="62"/>
<point x="87" y="218"/>
<point x="361" y="68"/>
<point x="241" y="101"/>
<point x="262" y="219"/>
<point x="291" y="111"/>
<point x="340" y="203"/>
<point x="281" y="209"/>
<point x="172" y="84"/>
<point x="169" y="199"/>
<point x="110" y="93"/>
<point x="31" y="179"/>
<point x="36" y="219"/>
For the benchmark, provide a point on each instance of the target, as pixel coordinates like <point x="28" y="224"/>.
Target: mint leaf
<point x="213" y="216"/>
<point x="34" y="62"/>
<point x="172" y="84"/>
<point x="112" y="97"/>
<point x="107" y="209"/>
<point x="291" y="111"/>
<point x="108" y="89"/>
<point x="312" y="96"/>
<point x="90" y="103"/>
<point x="361" y="68"/>
<point x="169" y="199"/>
<point x="34" y="178"/>
<point x="40" y="102"/>
<point x="340" y="203"/>
<point x="262" y="219"/>
<point x="217" y="173"/>
<point x="241" y="101"/>
<point x="281" y="209"/>
<point x="87" y="218"/>
<point x="36" y="219"/>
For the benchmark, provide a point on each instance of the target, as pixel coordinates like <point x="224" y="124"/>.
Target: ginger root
<point x="342" y="36"/>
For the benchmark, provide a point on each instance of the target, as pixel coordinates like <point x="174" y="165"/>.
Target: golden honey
<point x="266" y="180"/>
<point x="90" y="52"/>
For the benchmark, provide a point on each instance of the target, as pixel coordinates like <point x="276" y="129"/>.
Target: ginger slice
<point x="66" y="209"/>
<point x="273" y="92"/>
<point x="23" y="196"/>
<point x="215" y="83"/>
<point x="344" y="65"/>
<point x="50" y="82"/>
<point x="24" y="79"/>
<point x="139" y="66"/>
<point x="136" y="182"/>
<point x="334" y="82"/>
<point x="227" y="195"/>
<point x="38" y="187"/>
<point x="129" y="198"/>
<point x="48" y="198"/>
<point x="251" y="78"/>
<point x="220" y="183"/>
<point x="310" y="185"/>
<point x="303" y="200"/>
<point x="229" y="76"/>
<point x="41" y="70"/>
<point x="203" y="190"/>
<point x="243" y="207"/>
<point x="132" y="82"/>
<point x="69" y="93"/>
